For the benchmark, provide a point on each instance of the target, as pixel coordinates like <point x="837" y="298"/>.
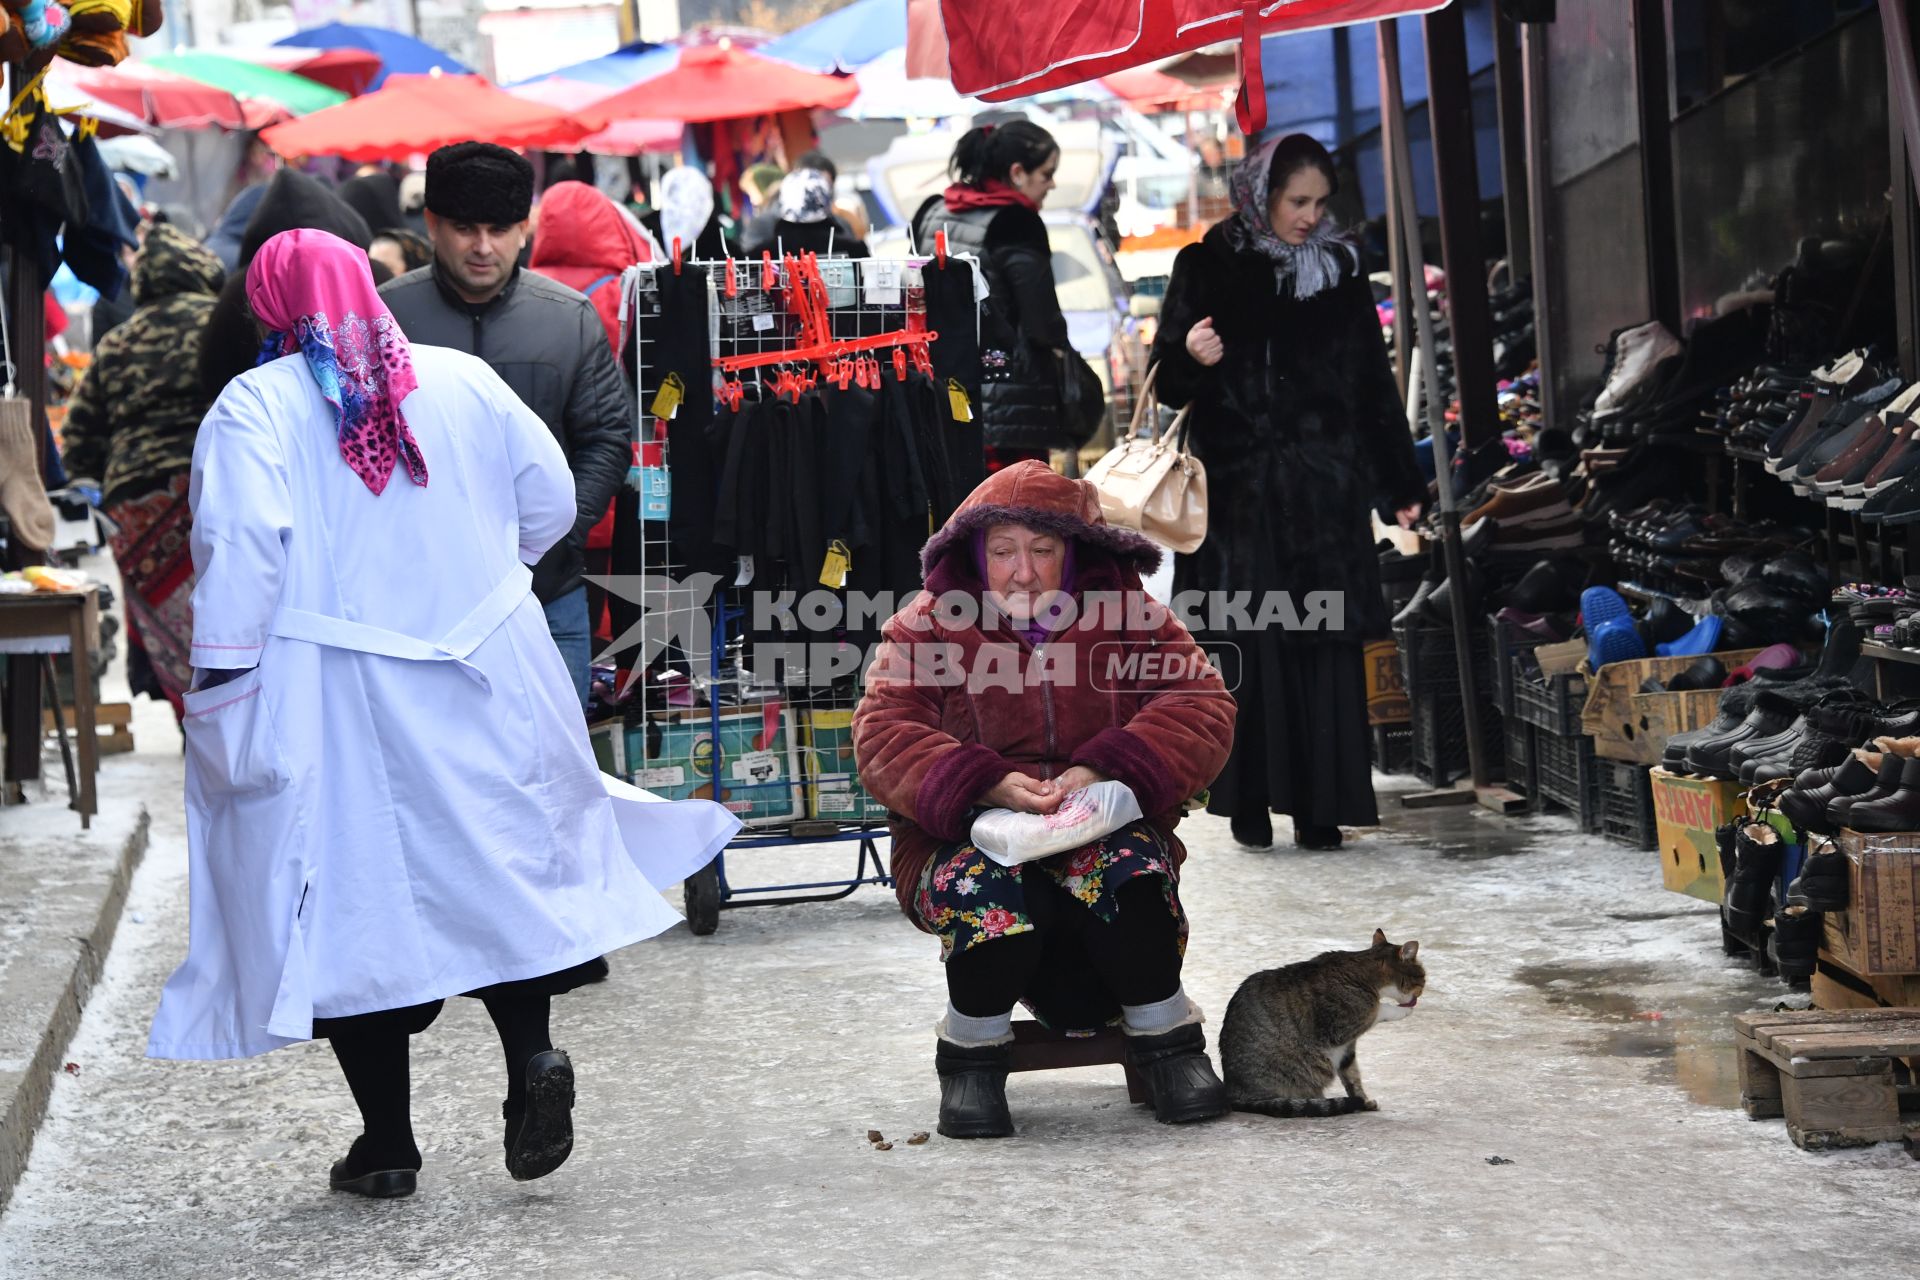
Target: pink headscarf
<point x="315" y="292"/>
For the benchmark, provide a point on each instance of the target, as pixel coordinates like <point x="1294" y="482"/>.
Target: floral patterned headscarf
<point x="315" y="292"/>
<point x="806" y="195"/>
<point x="1311" y="268"/>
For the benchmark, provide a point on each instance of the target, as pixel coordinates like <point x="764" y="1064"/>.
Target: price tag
<point x="883" y="284"/>
<point x="839" y="562"/>
<point x="957" y="402"/>
<point x="672" y="394"/>
<point x="762" y="322"/>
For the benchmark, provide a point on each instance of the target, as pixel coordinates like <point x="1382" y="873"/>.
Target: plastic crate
<point x="1569" y="775"/>
<point x="1440" y="738"/>
<point x="1626" y="803"/>
<point x="1510" y="648"/>
<point x="1553" y="703"/>
<point x="1523" y="759"/>
<point x="1393" y="748"/>
<point x="1428" y="661"/>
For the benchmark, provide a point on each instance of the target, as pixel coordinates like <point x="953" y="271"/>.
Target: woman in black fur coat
<point x="1269" y="332"/>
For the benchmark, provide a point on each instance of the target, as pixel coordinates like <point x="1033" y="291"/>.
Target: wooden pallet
<point x="1831" y="1074"/>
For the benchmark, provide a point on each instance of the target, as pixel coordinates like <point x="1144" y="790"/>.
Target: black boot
<point x="1311" y="837"/>
<point x="539" y="1136"/>
<point x="1180" y="1079"/>
<point x="1254" y="830"/>
<point x="973" y="1089"/>
<point x="1795" y="945"/>
<point x="1757" y="851"/>
<point x="378" y="1175"/>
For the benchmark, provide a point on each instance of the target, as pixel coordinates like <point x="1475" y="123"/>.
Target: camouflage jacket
<point x="132" y="421"/>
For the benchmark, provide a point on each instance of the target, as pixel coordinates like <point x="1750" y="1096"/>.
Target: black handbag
<point x="1083" y="400"/>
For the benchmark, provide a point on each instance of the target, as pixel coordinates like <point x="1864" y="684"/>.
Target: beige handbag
<point x="1151" y="483"/>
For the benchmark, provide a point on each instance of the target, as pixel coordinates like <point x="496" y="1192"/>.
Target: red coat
<point x="1137" y="703"/>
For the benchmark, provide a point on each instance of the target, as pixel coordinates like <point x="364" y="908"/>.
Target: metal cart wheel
<point x="702" y="892"/>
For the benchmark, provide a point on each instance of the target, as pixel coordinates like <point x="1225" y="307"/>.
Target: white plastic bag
<point x="1011" y="838"/>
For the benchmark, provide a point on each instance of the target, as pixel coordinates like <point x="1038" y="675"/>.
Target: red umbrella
<point x="1149" y="87"/>
<point x="999" y="51"/>
<point x="410" y="115"/>
<point x="157" y="97"/>
<point x="721" y="82"/>
<point x="348" y="70"/>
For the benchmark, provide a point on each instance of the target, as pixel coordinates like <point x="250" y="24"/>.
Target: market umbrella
<point x="351" y="71"/>
<point x="1154" y="88"/>
<point x="722" y="82"/>
<point x="1001" y="52"/>
<point x="600" y="77"/>
<point x="297" y="95"/>
<point x="412" y="115"/>
<point x="399" y="54"/>
<point x="69" y="99"/>
<point x="845" y="40"/>
<point x="155" y="96"/>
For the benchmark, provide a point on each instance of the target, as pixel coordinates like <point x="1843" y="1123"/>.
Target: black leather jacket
<point x="1021" y="326"/>
<point x="547" y="343"/>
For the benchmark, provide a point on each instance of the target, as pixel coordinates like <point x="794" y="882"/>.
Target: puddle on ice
<point x="1686" y="1036"/>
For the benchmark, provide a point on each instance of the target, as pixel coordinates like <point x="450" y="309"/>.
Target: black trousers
<point x="1074" y="970"/>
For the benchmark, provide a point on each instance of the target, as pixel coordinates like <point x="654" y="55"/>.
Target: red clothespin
<point x="769" y="278"/>
<point x="676" y="255"/>
<point x="940" y="248"/>
<point x="733" y="281"/>
<point x="900" y="363"/>
<point x="922" y="358"/>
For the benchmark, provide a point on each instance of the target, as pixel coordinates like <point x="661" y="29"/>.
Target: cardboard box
<point x="609" y="739"/>
<point x="1633" y="727"/>
<point x="1686" y="813"/>
<point x="1879" y="932"/>
<point x="755" y="761"/>
<point x="834" y="793"/>
<point x="1386" y="685"/>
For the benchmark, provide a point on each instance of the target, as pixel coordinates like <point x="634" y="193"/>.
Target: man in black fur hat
<point x="542" y="338"/>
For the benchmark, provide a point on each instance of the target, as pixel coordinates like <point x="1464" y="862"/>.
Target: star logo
<point x="674" y="617"/>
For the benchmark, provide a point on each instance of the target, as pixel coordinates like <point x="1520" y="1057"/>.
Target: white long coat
<point x="397" y="801"/>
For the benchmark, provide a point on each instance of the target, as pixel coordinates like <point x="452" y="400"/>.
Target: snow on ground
<point x="1577" y="1024"/>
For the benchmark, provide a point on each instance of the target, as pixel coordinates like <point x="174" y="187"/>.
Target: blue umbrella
<point x="398" y="52"/>
<point x="844" y="40"/>
<point x="626" y="66"/>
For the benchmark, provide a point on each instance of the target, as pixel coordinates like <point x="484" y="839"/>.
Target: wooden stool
<point x="1829" y="1072"/>
<point x="1037" y="1049"/>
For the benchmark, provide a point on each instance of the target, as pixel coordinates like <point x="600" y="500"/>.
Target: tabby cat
<point x="1290" y="1032"/>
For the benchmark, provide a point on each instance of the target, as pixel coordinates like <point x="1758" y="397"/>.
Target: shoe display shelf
<point x="1523" y="759"/>
<point x="1626" y="803"/>
<point x="1440" y="737"/>
<point x="1392" y="747"/>
<point x="1569" y="775"/>
<point x="1552" y="703"/>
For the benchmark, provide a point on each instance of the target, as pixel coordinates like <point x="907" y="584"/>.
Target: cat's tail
<point x="1291" y="1107"/>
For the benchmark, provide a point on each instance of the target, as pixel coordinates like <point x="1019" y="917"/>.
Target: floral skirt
<point x="967" y="898"/>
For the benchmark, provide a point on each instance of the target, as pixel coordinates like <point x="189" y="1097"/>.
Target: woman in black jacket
<point x="1002" y="174"/>
<point x="1269" y="332"/>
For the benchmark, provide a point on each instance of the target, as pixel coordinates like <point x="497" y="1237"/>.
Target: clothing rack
<point x="777" y="753"/>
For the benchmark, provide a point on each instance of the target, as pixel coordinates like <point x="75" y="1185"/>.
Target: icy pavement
<point x="1576" y="1026"/>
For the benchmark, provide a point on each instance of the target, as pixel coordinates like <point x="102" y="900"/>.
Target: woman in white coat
<point x="391" y="798"/>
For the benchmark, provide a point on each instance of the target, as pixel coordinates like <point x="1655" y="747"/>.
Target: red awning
<point x="1148" y="87"/>
<point x="412" y="115"/>
<point x="1003" y="51"/>
<point x="722" y="82"/>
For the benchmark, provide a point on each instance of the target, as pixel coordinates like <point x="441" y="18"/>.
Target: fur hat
<point x="479" y="182"/>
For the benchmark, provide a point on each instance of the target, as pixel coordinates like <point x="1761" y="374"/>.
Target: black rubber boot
<point x="973" y="1090"/>
<point x="539" y="1137"/>
<point x="1757" y="850"/>
<point x="1254" y="830"/>
<point x="1795" y="945"/>
<point x="1180" y="1079"/>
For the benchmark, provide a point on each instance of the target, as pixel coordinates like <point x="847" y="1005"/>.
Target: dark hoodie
<point x="375" y="197"/>
<point x="132" y="421"/>
<point x="292" y="200"/>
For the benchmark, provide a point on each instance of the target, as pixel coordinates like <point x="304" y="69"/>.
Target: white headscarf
<point x="686" y="206"/>
<point x="806" y="195"/>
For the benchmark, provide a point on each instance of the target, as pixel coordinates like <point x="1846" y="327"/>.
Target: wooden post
<point x="1533" y="71"/>
<point x="1650" y="74"/>
<point x="1508" y="84"/>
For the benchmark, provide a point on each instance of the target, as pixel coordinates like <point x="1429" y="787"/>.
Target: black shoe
<point x="1897" y="811"/>
<point x="1824" y="882"/>
<point x="1415" y="609"/>
<point x="1180" y="1079"/>
<point x="1311" y="837"/>
<point x="1885" y="783"/>
<point x="1708" y="673"/>
<point x="376" y="1175"/>
<point x="1771" y="715"/>
<point x="1834" y="726"/>
<point x="1809" y="802"/>
<point x="1795" y="945"/>
<point x="540" y="1138"/>
<point x="1665" y="622"/>
<point x="1735" y="705"/>
<point x="973" y="1090"/>
<point x="1254" y="830"/>
<point x="1757" y="852"/>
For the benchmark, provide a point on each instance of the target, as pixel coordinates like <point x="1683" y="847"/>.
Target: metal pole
<point x="1533" y="58"/>
<point x="1392" y="124"/>
<point x="1903" y="128"/>
<point x="1649" y="24"/>
<point x="1393" y="99"/>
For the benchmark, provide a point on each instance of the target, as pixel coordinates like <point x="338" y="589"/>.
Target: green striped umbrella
<point x="296" y="94"/>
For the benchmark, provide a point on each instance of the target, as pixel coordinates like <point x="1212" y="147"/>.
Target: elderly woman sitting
<point x="989" y="694"/>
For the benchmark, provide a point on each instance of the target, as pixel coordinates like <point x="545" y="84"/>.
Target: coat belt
<point x="456" y="646"/>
